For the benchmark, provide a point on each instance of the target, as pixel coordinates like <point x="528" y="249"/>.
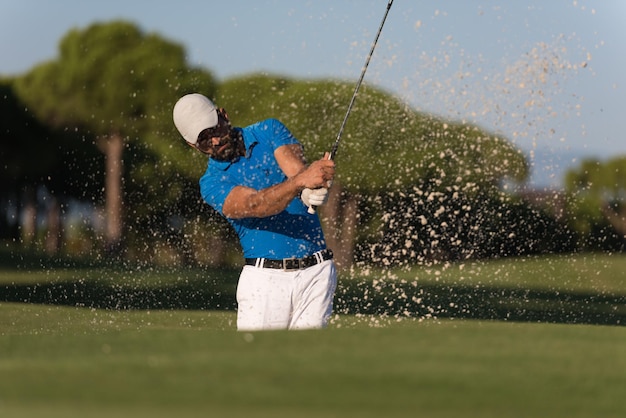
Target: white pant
<point x="278" y="299"/>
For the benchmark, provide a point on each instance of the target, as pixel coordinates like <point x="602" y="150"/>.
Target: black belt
<point x="291" y="263"/>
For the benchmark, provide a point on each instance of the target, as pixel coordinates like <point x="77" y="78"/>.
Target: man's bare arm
<point x="245" y="202"/>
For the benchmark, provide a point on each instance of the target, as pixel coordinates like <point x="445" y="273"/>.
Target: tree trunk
<point x="617" y="218"/>
<point x="348" y="232"/>
<point x="29" y="217"/>
<point x="340" y="219"/>
<point x="113" y="149"/>
<point x="54" y="232"/>
<point x="329" y="213"/>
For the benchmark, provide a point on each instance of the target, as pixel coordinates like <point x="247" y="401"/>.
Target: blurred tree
<point x="114" y="86"/>
<point x="25" y="159"/>
<point x="114" y="83"/>
<point x="597" y="202"/>
<point x="38" y="161"/>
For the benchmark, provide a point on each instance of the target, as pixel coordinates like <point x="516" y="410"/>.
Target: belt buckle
<point x="291" y="264"/>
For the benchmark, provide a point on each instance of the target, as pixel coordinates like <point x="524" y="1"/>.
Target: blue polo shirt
<point x="291" y="233"/>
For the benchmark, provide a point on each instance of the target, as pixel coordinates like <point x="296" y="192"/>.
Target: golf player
<point x="258" y="180"/>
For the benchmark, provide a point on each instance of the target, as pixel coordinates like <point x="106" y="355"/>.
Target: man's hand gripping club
<point x="314" y="197"/>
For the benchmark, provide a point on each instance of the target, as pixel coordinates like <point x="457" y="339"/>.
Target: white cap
<point x="193" y="113"/>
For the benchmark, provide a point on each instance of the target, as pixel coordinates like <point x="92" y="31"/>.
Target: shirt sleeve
<point x="278" y="134"/>
<point x="215" y="188"/>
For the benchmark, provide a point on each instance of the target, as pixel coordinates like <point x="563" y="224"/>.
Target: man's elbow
<point x="251" y="208"/>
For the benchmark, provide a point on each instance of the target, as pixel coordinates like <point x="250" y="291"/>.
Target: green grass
<point x="535" y="337"/>
<point x="61" y="361"/>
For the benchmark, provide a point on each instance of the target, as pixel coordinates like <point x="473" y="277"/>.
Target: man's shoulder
<point x="264" y="125"/>
<point x="269" y="131"/>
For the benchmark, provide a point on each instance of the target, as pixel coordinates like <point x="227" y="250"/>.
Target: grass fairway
<point x="536" y="337"/>
<point x="78" y="362"/>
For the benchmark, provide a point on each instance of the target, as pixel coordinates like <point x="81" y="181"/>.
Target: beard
<point x="229" y="147"/>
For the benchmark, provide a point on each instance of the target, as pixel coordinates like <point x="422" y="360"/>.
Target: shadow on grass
<point x="488" y="303"/>
<point x="199" y="295"/>
<point x="107" y="284"/>
<point x="214" y="289"/>
<point x="353" y="297"/>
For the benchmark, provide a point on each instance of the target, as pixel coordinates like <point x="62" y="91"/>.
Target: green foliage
<point x="428" y="227"/>
<point x="110" y="79"/>
<point x="598" y="180"/>
<point x="597" y="191"/>
<point x="27" y="146"/>
<point x="36" y="154"/>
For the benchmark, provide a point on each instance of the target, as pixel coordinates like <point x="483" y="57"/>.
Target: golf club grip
<point x="312" y="209"/>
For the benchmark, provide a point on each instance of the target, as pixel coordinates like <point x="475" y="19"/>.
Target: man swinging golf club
<point x="258" y="180"/>
<point x="254" y="177"/>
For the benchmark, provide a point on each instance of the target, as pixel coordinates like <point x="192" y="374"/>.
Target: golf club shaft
<point x="335" y="146"/>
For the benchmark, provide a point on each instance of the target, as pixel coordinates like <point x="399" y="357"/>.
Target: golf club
<point x="335" y="146"/>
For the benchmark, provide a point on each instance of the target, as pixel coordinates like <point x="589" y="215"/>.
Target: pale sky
<point x="549" y="75"/>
